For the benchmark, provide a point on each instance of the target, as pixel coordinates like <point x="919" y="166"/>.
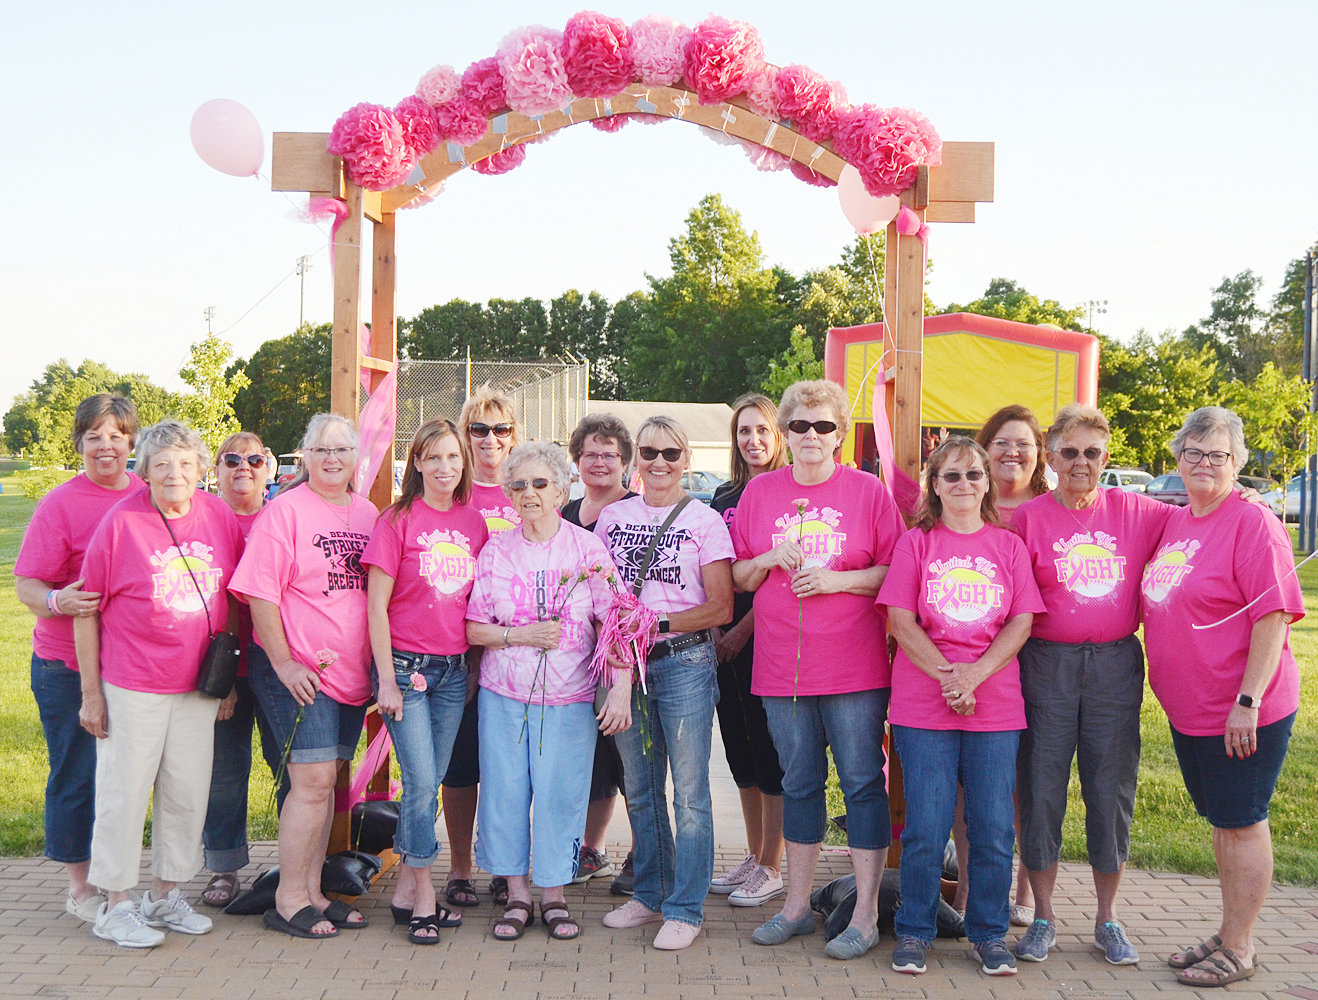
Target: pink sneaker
<point x="675" y="935"/>
<point x="632" y="913"/>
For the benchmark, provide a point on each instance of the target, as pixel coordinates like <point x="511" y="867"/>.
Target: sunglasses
<point x="803" y="426"/>
<point x="233" y="460"/>
<point x="1091" y="453"/>
<point x="670" y="454"/>
<point x="483" y="430"/>
<point x="972" y="476"/>
<point x="520" y="485"/>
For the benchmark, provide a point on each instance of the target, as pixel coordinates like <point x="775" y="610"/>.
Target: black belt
<point x="684" y="641"/>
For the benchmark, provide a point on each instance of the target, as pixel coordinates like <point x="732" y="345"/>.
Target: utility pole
<point x="1096" y="306"/>
<point x="210" y="315"/>
<point x="303" y="266"/>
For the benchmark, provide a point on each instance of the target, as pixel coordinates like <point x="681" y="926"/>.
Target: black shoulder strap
<point x="639" y="582"/>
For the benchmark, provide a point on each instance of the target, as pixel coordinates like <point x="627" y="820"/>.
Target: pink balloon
<point x="226" y="135"/>
<point x="866" y="213"/>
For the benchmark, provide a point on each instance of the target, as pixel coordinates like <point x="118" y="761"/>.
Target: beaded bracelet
<point x="52" y="602"/>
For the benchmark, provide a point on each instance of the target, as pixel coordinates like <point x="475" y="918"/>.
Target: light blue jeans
<point x="423" y="742"/>
<point x="676" y="716"/>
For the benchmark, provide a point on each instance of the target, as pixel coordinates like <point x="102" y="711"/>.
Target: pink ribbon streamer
<point x="364" y="348"/>
<point x="376" y="428"/>
<point x="377" y="752"/>
<point x="320" y="209"/>
<point x="905" y="490"/>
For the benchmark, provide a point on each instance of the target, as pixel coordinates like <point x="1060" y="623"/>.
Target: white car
<point x="1291" y="496"/>
<point x="1131" y="480"/>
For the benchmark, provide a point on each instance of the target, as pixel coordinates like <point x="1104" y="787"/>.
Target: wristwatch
<point x="1248" y="701"/>
<point x="664" y="625"/>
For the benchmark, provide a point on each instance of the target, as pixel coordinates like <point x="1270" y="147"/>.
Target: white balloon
<point x="866" y="213"/>
<point x="227" y="136"/>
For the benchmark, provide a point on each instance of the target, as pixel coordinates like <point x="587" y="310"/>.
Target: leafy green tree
<point x="579" y="326"/>
<point x="624" y="324"/>
<point x="290" y="382"/>
<point x="209" y="407"/>
<point x="797" y="363"/>
<point x="1278" y="424"/>
<point x="1233" y="330"/>
<point x="1005" y="299"/>
<point x="1285" y="324"/>
<point x="444" y="332"/>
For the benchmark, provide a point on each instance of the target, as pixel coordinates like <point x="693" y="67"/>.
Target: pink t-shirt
<point x="305" y="556"/>
<point x="53" y="548"/>
<point x="498" y="511"/>
<point x="962" y="589"/>
<point x="1088" y="562"/>
<point x="241" y="626"/>
<point x="674" y="582"/>
<point x="431" y="555"/>
<point x="519" y="582"/>
<point x="153" y="622"/>
<point x="1207" y="568"/>
<point x="848" y="522"/>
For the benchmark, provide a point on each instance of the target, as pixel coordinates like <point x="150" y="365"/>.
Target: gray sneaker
<point x="125" y="926"/>
<point x="908" y="956"/>
<point x="174" y="913"/>
<point x="1110" y="938"/>
<point x="1034" y="943"/>
<point x="625" y="879"/>
<point x="995" y="959"/>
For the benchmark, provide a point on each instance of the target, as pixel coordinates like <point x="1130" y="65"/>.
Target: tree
<point x="1285" y="324"/>
<point x="796" y="364"/>
<point x="624" y="325"/>
<point x="1278" y="424"/>
<point x="290" y="383"/>
<point x="1235" y="328"/>
<point x="209" y="407"/>
<point x="1007" y="300"/>
<point x="443" y="333"/>
<point x="579" y="326"/>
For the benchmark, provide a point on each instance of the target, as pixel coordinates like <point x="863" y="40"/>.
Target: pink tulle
<point x="811" y="176"/>
<point x="419" y="126"/>
<point x="810" y="101"/>
<point x="534" y="77"/>
<point x="626" y="635"/>
<point x="482" y="84"/>
<point x="886" y="145"/>
<point x="502" y="161"/>
<point x="765" y="159"/>
<point x="658" y="44"/>
<point x="721" y="58"/>
<point x="460" y="121"/>
<point x="440" y="84"/>
<point x="373" y="146"/>
<point x="597" y="54"/>
<point x="614" y="124"/>
<point x="762" y="92"/>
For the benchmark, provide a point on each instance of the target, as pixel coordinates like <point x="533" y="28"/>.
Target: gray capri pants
<point x="1082" y="700"/>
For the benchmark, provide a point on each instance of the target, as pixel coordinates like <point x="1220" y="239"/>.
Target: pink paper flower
<point x="460" y="121"/>
<point x="597" y="54"/>
<point x="502" y="161"/>
<point x="762" y="92"/>
<point x="886" y="145"/>
<point x="418" y="681"/>
<point x="534" y="77"/>
<point x="373" y="146"/>
<point x="810" y="101"/>
<point x="426" y="197"/>
<point x="616" y="123"/>
<point x="420" y="129"/>
<point x="440" y="84"/>
<point x="482" y="84"/>
<point x="765" y="159"/>
<point x="721" y="58"/>
<point x="811" y="176"/>
<point x="658" y="46"/>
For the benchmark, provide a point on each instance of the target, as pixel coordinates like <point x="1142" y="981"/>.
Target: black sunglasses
<point x="232" y="459"/>
<point x="520" y="485"/>
<point x="972" y="476"/>
<point x="803" y="426"/>
<point x="1091" y="453"/>
<point x="670" y="454"/>
<point x="483" y="430"/>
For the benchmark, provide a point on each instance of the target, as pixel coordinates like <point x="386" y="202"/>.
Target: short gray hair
<point x="1208" y="420"/>
<point x="553" y="457"/>
<point x="320" y="423"/>
<point x="170" y="434"/>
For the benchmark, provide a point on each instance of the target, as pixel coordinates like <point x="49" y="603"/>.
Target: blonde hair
<point x="930" y="511"/>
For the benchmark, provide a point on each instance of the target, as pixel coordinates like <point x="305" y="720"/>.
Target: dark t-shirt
<point x="724" y="503"/>
<point x="572" y="512"/>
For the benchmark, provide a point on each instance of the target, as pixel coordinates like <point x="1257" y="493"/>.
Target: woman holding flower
<point x="309" y="663"/>
<point x="422" y="560"/>
<point x="538" y="593"/>
<point x="813" y="543"/>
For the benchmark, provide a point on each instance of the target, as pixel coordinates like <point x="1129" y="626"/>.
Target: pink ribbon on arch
<point x="905" y="490"/>
<point x="375" y="426"/>
<point x="909" y="223"/>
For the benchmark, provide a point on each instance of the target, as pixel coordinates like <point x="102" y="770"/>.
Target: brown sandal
<point x="1195" y="954"/>
<point x="516" y="923"/>
<point x="221" y="890"/>
<point x="1219" y="972"/>
<point x="552" y="924"/>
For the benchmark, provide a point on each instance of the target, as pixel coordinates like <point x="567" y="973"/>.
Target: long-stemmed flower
<point x="567" y="583"/>
<point x="324" y="660"/>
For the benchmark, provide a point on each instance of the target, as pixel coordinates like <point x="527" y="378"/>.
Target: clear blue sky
<point x="1144" y="151"/>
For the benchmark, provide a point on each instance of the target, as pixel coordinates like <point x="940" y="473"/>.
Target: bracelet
<point x="505" y="634"/>
<point x="52" y="602"/>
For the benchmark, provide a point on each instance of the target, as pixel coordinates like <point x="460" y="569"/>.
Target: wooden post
<point x="345" y="348"/>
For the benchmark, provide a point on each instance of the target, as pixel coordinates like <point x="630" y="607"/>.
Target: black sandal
<point x="418" y="924"/>
<point x="401" y="914"/>
<point x="499" y="890"/>
<point x="461" y="892"/>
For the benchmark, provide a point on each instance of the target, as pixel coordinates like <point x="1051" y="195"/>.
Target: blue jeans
<point x="678" y="718"/>
<point x="933" y="761"/>
<point x="225" y="834"/>
<point x="71" y="784"/>
<point x="423" y="742"/>
<point x="852" y="723"/>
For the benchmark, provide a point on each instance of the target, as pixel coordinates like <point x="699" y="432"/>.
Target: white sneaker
<point x="174" y="913"/>
<point x="764" y="883"/>
<point x="87" y="910"/>
<point x="728" y="881"/>
<point x="125" y="926"/>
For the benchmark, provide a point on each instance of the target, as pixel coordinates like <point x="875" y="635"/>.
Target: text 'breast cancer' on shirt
<point x="499" y="513"/>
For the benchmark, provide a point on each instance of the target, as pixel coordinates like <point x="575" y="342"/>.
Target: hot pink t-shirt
<point x="848" y="522"/>
<point x="674" y="582"/>
<point x="1206" y="569"/>
<point x="499" y="513"/>
<point x="519" y="582"/>
<point x="1088" y="562"/>
<point x="962" y="589"/>
<point x="53" y="548"/>
<point x="153" y="622"/>
<point x="431" y="555"/>
<point x="305" y="556"/>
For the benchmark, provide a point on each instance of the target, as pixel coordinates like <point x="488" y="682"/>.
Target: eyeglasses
<point x="1215" y="458"/>
<point x="331" y="452"/>
<point x="608" y="457"/>
<point x="670" y="454"/>
<point x="232" y="459"/>
<point x="483" y="430"/>
<point x="1091" y="453"/>
<point x="972" y="476"/>
<point x="1002" y="444"/>
<point x="803" y="426"/>
<point x="520" y="485"/>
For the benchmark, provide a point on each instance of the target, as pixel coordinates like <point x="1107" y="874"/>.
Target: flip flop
<point x="516" y="923"/>
<point x="1194" y="955"/>
<point x="553" y="923"/>
<point x="418" y="924"/>
<point x="338" y="913"/>
<point x="461" y="892"/>
<point x="1219" y="972"/>
<point x="221" y="890"/>
<point x="299" y="924"/>
<point x="499" y="890"/>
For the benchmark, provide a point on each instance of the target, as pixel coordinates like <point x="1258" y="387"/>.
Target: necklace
<point x="1086" y="528"/>
<point x="342" y="512"/>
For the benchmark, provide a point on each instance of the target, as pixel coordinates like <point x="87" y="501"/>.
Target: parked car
<point x="1169" y="488"/>
<point x="1290" y="496"/>
<point x="701" y="485"/>
<point x="1132" y="480"/>
<point x="1260" y="483"/>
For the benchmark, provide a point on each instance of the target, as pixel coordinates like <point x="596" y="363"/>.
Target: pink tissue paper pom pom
<point x="419" y="126"/>
<point x="374" y="149"/>
<point x="426" y="197"/>
<point x="658" y="44"/>
<point x="502" y="161"/>
<point x="615" y="123"/>
<point x="810" y="101"/>
<point x="460" y="121"/>
<point x="534" y="77"/>
<point x="762" y="92"/>
<point x="597" y="53"/>
<point x="886" y="145"/>
<point x="440" y="84"/>
<point x="482" y="84"/>
<point x="721" y="59"/>
<point x="811" y="176"/>
<point x="765" y="159"/>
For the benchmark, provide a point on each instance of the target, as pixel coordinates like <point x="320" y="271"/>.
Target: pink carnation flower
<point x="482" y="84"/>
<point x="886" y="145"/>
<point x="810" y="101"/>
<point x="811" y="176"/>
<point x="658" y="44"/>
<point x="326" y="657"/>
<point x="597" y="54"/>
<point x="460" y="121"/>
<point x="721" y="58"/>
<point x="440" y="84"/>
<point x="419" y="125"/>
<point x="534" y="77"/>
<point x="502" y="161"/>
<point x="418" y="681"/>
<point x="762" y="92"/>
<point x="373" y="146"/>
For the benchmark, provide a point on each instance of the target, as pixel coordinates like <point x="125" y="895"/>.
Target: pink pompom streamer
<point x="502" y="161"/>
<point x="460" y="121"/>
<point x="810" y="101"/>
<point x="721" y="59"/>
<point x="534" y="76"/>
<point x="320" y="209"/>
<point x="597" y="54"/>
<point x="482" y="84"/>
<point x="762" y="92"/>
<point x="419" y="126"/>
<point x="658" y="46"/>
<point x="373" y="146"/>
<point x="811" y="176"/>
<point x="440" y="84"/>
<point x="626" y="633"/>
